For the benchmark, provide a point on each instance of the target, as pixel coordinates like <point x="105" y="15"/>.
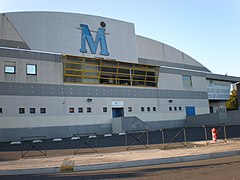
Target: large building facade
<point x="64" y="74"/>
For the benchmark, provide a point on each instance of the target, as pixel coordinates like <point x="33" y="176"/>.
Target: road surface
<point x="227" y="168"/>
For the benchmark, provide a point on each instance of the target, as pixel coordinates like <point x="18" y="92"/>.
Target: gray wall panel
<point x="25" y="54"/>
<point x="167" y="124"/>
<point x="29" y="89"/>
<point x="228" y="118"/>
<point x="181" y="72"/>
<point x="13" y="44"/>
<point x="15" y="134"/>
<point x="171" y="64"/>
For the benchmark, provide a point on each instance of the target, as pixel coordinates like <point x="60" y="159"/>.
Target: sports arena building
<point x="64" y="73"/>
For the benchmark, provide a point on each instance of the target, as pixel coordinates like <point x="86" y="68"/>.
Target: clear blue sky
<point x="207" y="30"/>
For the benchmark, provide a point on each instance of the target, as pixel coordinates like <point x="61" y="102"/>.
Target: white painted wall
<point x="60" y="32"/>
<point x="151" y="49"/>
<point x="7" y="31"/>
<point x="47" y="72"/>
<point x="57" y="110"/>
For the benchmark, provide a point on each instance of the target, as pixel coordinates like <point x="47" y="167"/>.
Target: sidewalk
<point x="97" y="161"/>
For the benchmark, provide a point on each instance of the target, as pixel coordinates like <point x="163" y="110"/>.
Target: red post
<point x="214" y="134"/>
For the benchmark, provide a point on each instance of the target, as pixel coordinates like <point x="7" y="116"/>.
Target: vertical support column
<point x="205" y="132"/>
<point x="225" y="133"/>
<point x="126" y="143"/>
<point x="185" y="139"/>
<point x="162" y="137"/>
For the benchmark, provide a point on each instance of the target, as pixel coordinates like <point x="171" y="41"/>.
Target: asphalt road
<point x="220" y="169"/>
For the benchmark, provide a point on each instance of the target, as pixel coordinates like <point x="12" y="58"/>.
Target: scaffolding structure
<point x="111" y="72"/>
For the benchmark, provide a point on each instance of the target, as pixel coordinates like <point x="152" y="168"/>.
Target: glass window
<point x="104" y="109"/>
<point x="31" y="69"/>
<point x="1" y="111"/>
<point x="170" y="108"/>
<point x="89" y="109"/>
<point x="42" y="110"/>
<point x="21" y="110"/>
<point x="80" y="110"/>
<point x="9" y="69"/>
<point x="180" y="108"/>
<point x="71" y="110"/>
<point x="175" y="108"/>
<point x="142" y="108"/>
<point x="129" y="109"/>
<point x="154" y="108"/>
<point x="148" y="108"/>
<point x="187" y="81"/>
<point x="32" y="111"/>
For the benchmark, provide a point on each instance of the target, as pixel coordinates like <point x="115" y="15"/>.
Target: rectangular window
<point x="89" y="109"/>
<point x="104" y="109"/>
<point x="100" y="71"/>
<point x="43" y="110"/>
<point x="9" y="69"/>
<point x="142" y="108"/>
<point x="170" y="108"/>
<point x="148" y="108"/>
<point x="179" y="108"/>
<point x="129" y="109"/>
<point x="71" y="110"/>
<point x="1" y="110"/>
<point x="80" y="110"/>
<point x="31" y="69"/>
<point x="21" y="110"/>
<point x="187" y="81"/>
<point x="32" y="110"/>
<point x="175" y="108"/>
<point x="154" y="108"/>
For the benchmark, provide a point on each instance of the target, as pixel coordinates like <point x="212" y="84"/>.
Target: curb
<point x="157" y="161"/>
<point x="126" y="164"/>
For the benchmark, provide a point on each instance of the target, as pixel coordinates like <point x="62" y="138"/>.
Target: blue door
<point x="117" y="112"/>
<point x="190" y="111"/>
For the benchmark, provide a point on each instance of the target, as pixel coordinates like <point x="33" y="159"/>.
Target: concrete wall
<point x="133" y="123"/>
<point x="216" y="105"/>
<point x="228" y="118"/>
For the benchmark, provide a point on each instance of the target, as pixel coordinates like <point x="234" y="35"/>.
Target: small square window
<point x="104" y="109"/>
<point x="89" y="109"/>
<point x="175" y="108"/>
<point x="8" y="69"/>
<point x="142" y="108"/>
<point x="129" y="109"/>
<point x="21" y="110"/>
<point x="71" y="110"/>
<point x="180" y="108"/>
<point x="148" y="108"/>
<point x="154" y="108"/>
<point x="32" y="110"/>
<point x="31" y="69"/>
<point x="43" y="110"/>
<point x="1" y="110"/>
<point x="170" y="108"/>
<point x="80" y="110"/>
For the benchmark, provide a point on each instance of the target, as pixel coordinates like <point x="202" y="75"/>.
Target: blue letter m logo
<point x="100" y="38"/>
